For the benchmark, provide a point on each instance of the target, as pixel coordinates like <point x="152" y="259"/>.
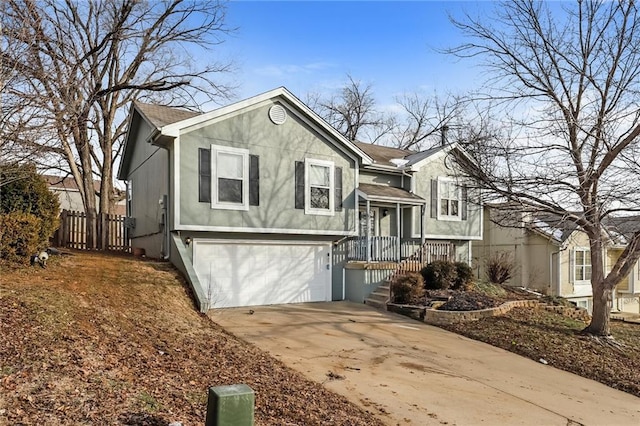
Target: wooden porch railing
<point x="429" y="252"/>
<point x="385" y="249"/>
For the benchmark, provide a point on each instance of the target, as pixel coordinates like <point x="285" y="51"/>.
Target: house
<point x="69" y="194"/>
<point x="551" y="255"/>
<point x="263" y="202"/>
<point x="417" y="203"/>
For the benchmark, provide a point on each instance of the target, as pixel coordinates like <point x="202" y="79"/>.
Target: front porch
<point x="396" y="249"/>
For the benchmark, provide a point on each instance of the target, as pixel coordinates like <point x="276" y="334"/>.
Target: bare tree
<point x="78" y="63"/>
<point x="573" y="76"/>
<point x="352" y="111"/>
<point x="424" y="121"/>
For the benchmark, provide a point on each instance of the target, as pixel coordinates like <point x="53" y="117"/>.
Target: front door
<point x="371" y="222"/>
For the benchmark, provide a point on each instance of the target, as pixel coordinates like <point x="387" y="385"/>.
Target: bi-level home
<point x="263" y="202"/>
<point x="551" y="254"/>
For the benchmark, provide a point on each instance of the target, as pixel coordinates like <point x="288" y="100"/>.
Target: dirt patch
<point x="108" y="339"/>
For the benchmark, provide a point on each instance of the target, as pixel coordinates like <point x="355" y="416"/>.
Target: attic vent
<point x="277" y="114"/>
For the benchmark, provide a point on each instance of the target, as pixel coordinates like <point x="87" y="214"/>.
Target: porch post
<point x="398" y="233"/>
<point x="422" y="211"/>
<point x="368" y="207"/>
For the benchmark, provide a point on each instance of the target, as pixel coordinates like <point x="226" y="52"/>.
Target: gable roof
<point x="383" y="154"/>
<point x="160" y="115"/>
<point x="168" y="123"/>
<point x="553" y="226"/>
<point x="66" y="183"/>
<point x="622" y="228"/>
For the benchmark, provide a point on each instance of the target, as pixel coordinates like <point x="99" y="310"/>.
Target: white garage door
<point x="246" y="274"/>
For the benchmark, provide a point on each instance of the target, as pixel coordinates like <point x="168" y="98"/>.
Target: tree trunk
<point x="83" y="146"/>
<point x="600" y="314"/>
<point x="599" y="325"/>
<point x="90" y="210"/>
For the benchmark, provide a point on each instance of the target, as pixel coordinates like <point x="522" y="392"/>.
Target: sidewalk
<point x="626" y="317"/>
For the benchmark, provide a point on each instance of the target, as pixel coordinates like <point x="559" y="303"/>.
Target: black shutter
<point x="434" y="198"/>
<point x="254" y="180"/>
<point x="464" y="203"/>
<point x="338" y="189"/>
<point x="299" y="185"/>
<point x="204" y="175"/>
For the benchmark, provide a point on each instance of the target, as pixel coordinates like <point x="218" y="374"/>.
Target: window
<point x="582" y="264"/>
<point x="319" y="186"/>
<point x="449" y="199"/>
<point x="230" y="170"/>
<point x="315" y="188"/>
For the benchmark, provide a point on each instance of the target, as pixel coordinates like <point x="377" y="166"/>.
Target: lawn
<point x="551" y="338"/>
<point x="106" y="339"/>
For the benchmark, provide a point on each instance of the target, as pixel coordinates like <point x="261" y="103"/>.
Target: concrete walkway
<point x="406" y="372"/>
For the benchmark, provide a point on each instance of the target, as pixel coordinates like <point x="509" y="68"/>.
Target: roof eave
<point x="393" y="200"/>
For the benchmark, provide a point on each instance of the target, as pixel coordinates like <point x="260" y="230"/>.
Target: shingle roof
<point x="382" y="154"/>
<point x="66" y="183"/>
<point x="624" y="226"/>
<point x="553" y="225"/>
<point x="380" y="191"/>
<point x="160" y="115"/>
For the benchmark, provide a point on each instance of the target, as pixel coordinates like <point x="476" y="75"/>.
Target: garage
<point x="263" y="273"/>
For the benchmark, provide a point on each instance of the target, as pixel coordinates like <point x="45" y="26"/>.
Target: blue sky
<point x="311" y="46"/>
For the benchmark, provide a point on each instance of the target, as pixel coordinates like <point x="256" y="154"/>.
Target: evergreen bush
<point x="439" y="275"/>
<point x="464" y="276"/>
<point x="29" y="212"/>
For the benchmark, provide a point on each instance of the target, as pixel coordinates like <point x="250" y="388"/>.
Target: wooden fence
<point x="111" y="233"/>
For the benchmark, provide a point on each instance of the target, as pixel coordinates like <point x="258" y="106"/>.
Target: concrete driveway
<point x="406" y="372"/>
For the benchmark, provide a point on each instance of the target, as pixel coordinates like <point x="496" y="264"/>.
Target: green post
<point x="230" y="406"/>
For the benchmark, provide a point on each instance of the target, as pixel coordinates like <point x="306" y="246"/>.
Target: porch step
<point x="378" y="298"/>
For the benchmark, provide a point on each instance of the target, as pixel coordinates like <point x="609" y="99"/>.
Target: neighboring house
<point x="552" y="256"/>
<point x="69" y="194"/>
<point x="263" y="202"/>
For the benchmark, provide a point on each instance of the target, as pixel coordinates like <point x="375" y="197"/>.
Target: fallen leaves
<point x="548" y="336"/>
<point x="106" y="339"/>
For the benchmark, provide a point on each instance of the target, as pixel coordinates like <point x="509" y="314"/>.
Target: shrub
<point x="499" y="268"/>
<point x="439" y="275"/>
<point x="407" y="289"/>
<point x="19" y="236"/>
<point x="26" y="192"/>
<point x="464" y="276"/>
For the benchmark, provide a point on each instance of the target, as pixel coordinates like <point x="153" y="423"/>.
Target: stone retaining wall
<point x="437" y="317"/>
<point x="571" y="312"/>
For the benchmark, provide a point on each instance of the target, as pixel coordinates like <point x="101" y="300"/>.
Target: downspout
<point x="368" y="217"/>
<point x="551" y="268"/>
<point x="167" y="209"/>
<point x="423" y="208"/>
<point x="558" y="272"/>
<point x="398" y="243"/>
<point x="344" y="286"/>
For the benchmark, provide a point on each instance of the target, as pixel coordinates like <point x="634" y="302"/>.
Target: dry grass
<point x="106" y="339"/>
<point x="540" y="334"/>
